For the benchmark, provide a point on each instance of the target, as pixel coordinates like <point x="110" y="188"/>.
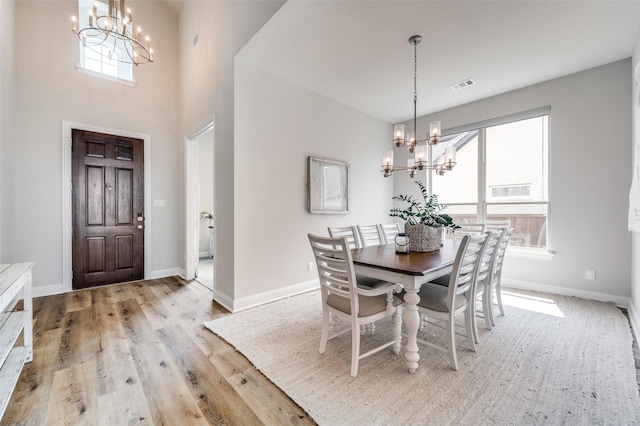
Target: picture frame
<point x="328" y="186"/>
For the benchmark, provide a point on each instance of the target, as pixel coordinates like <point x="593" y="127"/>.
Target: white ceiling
<point x="357" y="52"/>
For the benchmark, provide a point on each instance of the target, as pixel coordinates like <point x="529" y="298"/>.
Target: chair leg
<point x="499" y="296"/>
<point x="324" y="334"/>
<point x="451" y="342"/>
<point x="355" y="349"/>
<point x="487" y="307"/>
<point x="469" y="318"/>
<point x="334" y="322"/>
<point x="397" y="329"/>
<point x="474" y="320"/>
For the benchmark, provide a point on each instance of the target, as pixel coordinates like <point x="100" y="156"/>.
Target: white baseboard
<point x="223" y="299"/>
<point x="634" y="317"/>
<point x="621" y="301"/>
<point x="270" y="296"/>
<point x="50" y="290"/>
<point x="162" y="273"/>
<point x="47" y="290"/>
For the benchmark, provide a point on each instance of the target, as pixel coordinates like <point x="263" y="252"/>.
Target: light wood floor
<point x="137" y="353"/>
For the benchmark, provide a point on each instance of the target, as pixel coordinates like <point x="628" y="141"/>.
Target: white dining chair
<point x="444" y="303"/>
<point x="344" y="298"/>
<point x="389" y="231"/>
<point x="470" y="229"/>
<point x="349" y="232"/>
<point x="483" y="280"/>
<point x="496" y="280"/>
<point x="370" y="235"/>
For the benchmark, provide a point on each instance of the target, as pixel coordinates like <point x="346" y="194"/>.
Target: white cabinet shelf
<point x="14" y="278"/>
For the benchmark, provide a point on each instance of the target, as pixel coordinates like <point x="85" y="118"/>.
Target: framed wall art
<point x="328" y="186"/>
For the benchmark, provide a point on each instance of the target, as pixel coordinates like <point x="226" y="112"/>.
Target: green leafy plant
<point x="425" y="212"/>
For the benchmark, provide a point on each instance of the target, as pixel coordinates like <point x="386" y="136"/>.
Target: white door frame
<point x="67" y="213"/>
<point x="192" y="215"/>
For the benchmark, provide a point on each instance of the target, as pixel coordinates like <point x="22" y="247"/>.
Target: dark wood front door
<point x="108" y="209"/>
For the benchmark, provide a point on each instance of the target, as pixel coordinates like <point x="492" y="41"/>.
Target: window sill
<point x="529" y="253"/>
<point x="106" y="77"/>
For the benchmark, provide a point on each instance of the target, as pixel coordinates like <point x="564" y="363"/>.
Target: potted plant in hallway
<point x="424" y="221"/>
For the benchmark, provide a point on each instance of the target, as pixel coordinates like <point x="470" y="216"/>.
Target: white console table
<point x="14" y="279"/>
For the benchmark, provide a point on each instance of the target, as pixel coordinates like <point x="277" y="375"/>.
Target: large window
<point x="501" y="178"/>
<point x="98" y="57"/>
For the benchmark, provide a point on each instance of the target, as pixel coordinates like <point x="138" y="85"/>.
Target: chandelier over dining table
<point x="420" y="160"/>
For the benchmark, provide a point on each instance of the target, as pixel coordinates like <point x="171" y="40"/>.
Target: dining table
<point x="411" y="270"/>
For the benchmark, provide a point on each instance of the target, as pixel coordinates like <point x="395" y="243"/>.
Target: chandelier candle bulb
<point x="450" y="157"/>
<point x="420" y="156"/>
<point x="411" y="168"/>
<point x="74" y="25"/>
<point x="435" y="131"/>
<point x="398" y="138"/>
<point x="387" y="159"/>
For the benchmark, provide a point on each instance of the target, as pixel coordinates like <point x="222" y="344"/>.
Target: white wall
<point x="635" y="237"/>
<point x="49" y="90"/>
<point x="278" y="125"/>
<point x="590" y="168"/>
<point x="207" y="89"/>
<point x="7" y="71"/>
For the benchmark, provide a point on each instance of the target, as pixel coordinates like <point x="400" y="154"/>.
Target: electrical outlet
<point x="309" y="266"/>
<point x="590" y="274"/>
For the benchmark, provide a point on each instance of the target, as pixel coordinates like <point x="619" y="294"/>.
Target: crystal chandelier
<point x="113" y="28"/>
<point x="420" y="160"/>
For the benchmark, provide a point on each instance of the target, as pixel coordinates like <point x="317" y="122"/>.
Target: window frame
<point x="124" y="70"/>
<point x="484" y="200"/>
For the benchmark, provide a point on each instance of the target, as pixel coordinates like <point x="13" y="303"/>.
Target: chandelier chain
<point x="421" y="153"/>
<point x="415" y="87"/>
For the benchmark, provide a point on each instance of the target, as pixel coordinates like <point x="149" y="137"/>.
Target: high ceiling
<point x="357" y="52"/>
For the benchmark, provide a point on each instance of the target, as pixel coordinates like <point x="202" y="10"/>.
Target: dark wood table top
<point x="413" y="263"/>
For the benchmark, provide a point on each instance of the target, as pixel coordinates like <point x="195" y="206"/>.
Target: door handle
<point x="140" y="226"/>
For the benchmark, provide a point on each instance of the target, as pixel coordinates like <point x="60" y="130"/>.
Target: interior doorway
<point x="200" y="203"/>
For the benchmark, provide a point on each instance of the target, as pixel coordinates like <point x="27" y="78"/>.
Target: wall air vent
<point x="462" y="84"/>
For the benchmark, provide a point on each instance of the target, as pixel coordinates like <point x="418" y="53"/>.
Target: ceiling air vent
<point x="462" y="84"/>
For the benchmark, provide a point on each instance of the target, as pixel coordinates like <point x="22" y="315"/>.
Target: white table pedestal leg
<point x="412" y="322"/>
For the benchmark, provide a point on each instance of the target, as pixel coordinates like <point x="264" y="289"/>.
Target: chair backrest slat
<point x="501" y="248"/>
<point x="335" y="268"/>
<point x="370" y="235"/>
<point x="349" y="232"/>
<point x="489" y="254"/>
<point x="466" y="266"/>
<point x="389" y="231"/>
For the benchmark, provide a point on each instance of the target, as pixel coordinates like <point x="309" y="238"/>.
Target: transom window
<point x="98" y="57"/>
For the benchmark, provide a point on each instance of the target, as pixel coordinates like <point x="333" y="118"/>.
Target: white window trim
<point x="530" y="253"/>
<point x="517" y="252"/>
<point x="83" y="70"/>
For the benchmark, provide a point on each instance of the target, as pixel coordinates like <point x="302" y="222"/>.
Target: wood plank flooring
<point x="137" y="353"/>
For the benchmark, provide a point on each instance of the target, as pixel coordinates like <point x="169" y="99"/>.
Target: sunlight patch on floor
<point x="531" y="303"/>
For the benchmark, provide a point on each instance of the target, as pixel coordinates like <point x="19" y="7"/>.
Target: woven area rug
<point x="550" y="360"/>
